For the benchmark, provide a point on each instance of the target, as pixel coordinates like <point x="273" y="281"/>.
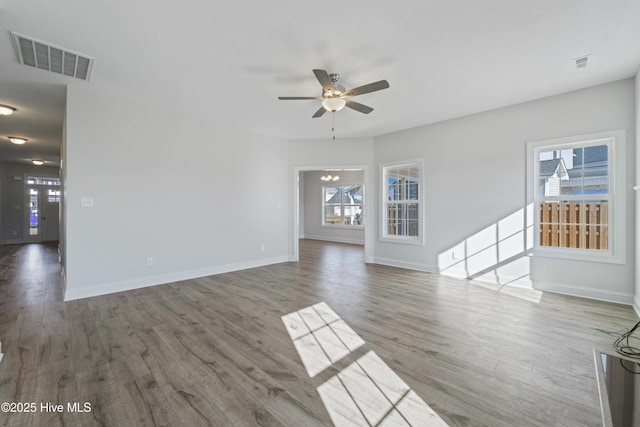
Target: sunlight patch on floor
<point x="365" y="393"/>
<point x="320" y="337"/>
<point x="369" y="393"/>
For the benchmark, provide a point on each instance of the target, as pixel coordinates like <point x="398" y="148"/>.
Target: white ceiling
<point x="229" y="61"/>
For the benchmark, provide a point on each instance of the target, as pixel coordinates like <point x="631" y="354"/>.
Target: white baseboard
<point x="403" y="264"/>
<point x="497" y="279"/>
<point x="336" y="239"/>
<point x="71" y="294"/>
<point x="579" y="291"/>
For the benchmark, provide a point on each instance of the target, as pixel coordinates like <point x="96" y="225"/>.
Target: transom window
<point x="343" y="205"/>
<point x="402" y="202"/>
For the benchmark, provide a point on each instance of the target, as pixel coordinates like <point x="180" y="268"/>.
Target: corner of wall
<point x="636" y="301"/>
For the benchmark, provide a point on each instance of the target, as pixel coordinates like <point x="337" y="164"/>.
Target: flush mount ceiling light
<point x="6" y="110"/>
<point x="38" y="162"/>
<point x="330" y="177"/>
<point x="17" y="140"/>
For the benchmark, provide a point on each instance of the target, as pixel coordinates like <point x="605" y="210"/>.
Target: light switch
<point x="86" y="202"/>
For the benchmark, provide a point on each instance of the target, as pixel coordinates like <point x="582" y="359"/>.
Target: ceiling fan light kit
<point x="335" y="97"/>
<point x="334" y="104"/>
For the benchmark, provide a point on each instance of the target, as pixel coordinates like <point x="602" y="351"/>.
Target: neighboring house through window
<point x="343" y="205"/>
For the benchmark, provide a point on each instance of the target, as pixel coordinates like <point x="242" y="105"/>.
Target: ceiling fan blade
<point x="371" y="87"/>
<point x="358" y="107"/>
<point x="319" y="113"/>
<point x="324" y="79"/>
<point x="289" y="98"/>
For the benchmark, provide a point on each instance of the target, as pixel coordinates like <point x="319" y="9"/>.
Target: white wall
<point x="198" y="196"/>
<point x="313" y="228"/>
<point x="475" y="186"/>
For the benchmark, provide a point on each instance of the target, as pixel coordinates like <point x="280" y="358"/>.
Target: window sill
<point x="343" y="227"/>
<point x="404" y="240"/>
<point x="584" y="255"/>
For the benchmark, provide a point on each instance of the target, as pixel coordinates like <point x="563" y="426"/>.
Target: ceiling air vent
<point x="39" y="54"/>
<point x="582" y="62"/>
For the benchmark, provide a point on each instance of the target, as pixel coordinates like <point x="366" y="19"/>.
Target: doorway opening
<point x="331" y="204"/>
<point x="42" y="213"/>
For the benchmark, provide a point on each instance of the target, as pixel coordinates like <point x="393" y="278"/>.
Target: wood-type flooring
<point x="214" y="350"/>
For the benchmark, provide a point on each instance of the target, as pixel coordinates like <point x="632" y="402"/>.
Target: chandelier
<point x="330" y="177"/>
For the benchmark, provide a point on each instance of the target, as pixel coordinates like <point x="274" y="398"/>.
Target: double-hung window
<point x="343" y="205"/>
<point x="402" y="202"/>
<point x="576" y="187"/>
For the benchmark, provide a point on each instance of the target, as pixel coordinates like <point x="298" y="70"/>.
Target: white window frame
<point x="384" y="202"/>
<point x="342" y="225"/>
<point x="616" y="248"/>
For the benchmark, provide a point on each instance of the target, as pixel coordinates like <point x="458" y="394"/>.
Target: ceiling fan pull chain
<point x="333" y="125"/>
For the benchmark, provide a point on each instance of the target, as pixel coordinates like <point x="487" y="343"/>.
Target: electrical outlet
<point x="149" y="261"/>
<point x="263" y="247"/>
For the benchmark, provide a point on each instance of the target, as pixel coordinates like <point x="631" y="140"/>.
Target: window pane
<point x="551" y="170"/>
<point x="412" y="193"/>
<point x="53" y="196"/>
<point x="333" y="215"/>
<point x="332" y="195"/>
<point x="596" y="237"/>
<point x="34" y="215"/>
<point x="392" y="219"/>
<point x="393" y="189"/>
<point x="353" y="215"/>
<point x="352" y="194"/>
<point x="596" y="170"/>
<point x="596" y="212"/>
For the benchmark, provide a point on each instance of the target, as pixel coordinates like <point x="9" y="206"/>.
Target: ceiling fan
<point x="335" y="97"/>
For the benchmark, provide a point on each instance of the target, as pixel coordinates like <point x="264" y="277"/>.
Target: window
<point x="53" y="196"/>
<point x="402" y="202"/>
<point x="576" y="208"/>
<point x="43" y="180"/>
<point x="343" y="205"/>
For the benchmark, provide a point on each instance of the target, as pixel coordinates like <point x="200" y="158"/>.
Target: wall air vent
<point x="39" y="54"/>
